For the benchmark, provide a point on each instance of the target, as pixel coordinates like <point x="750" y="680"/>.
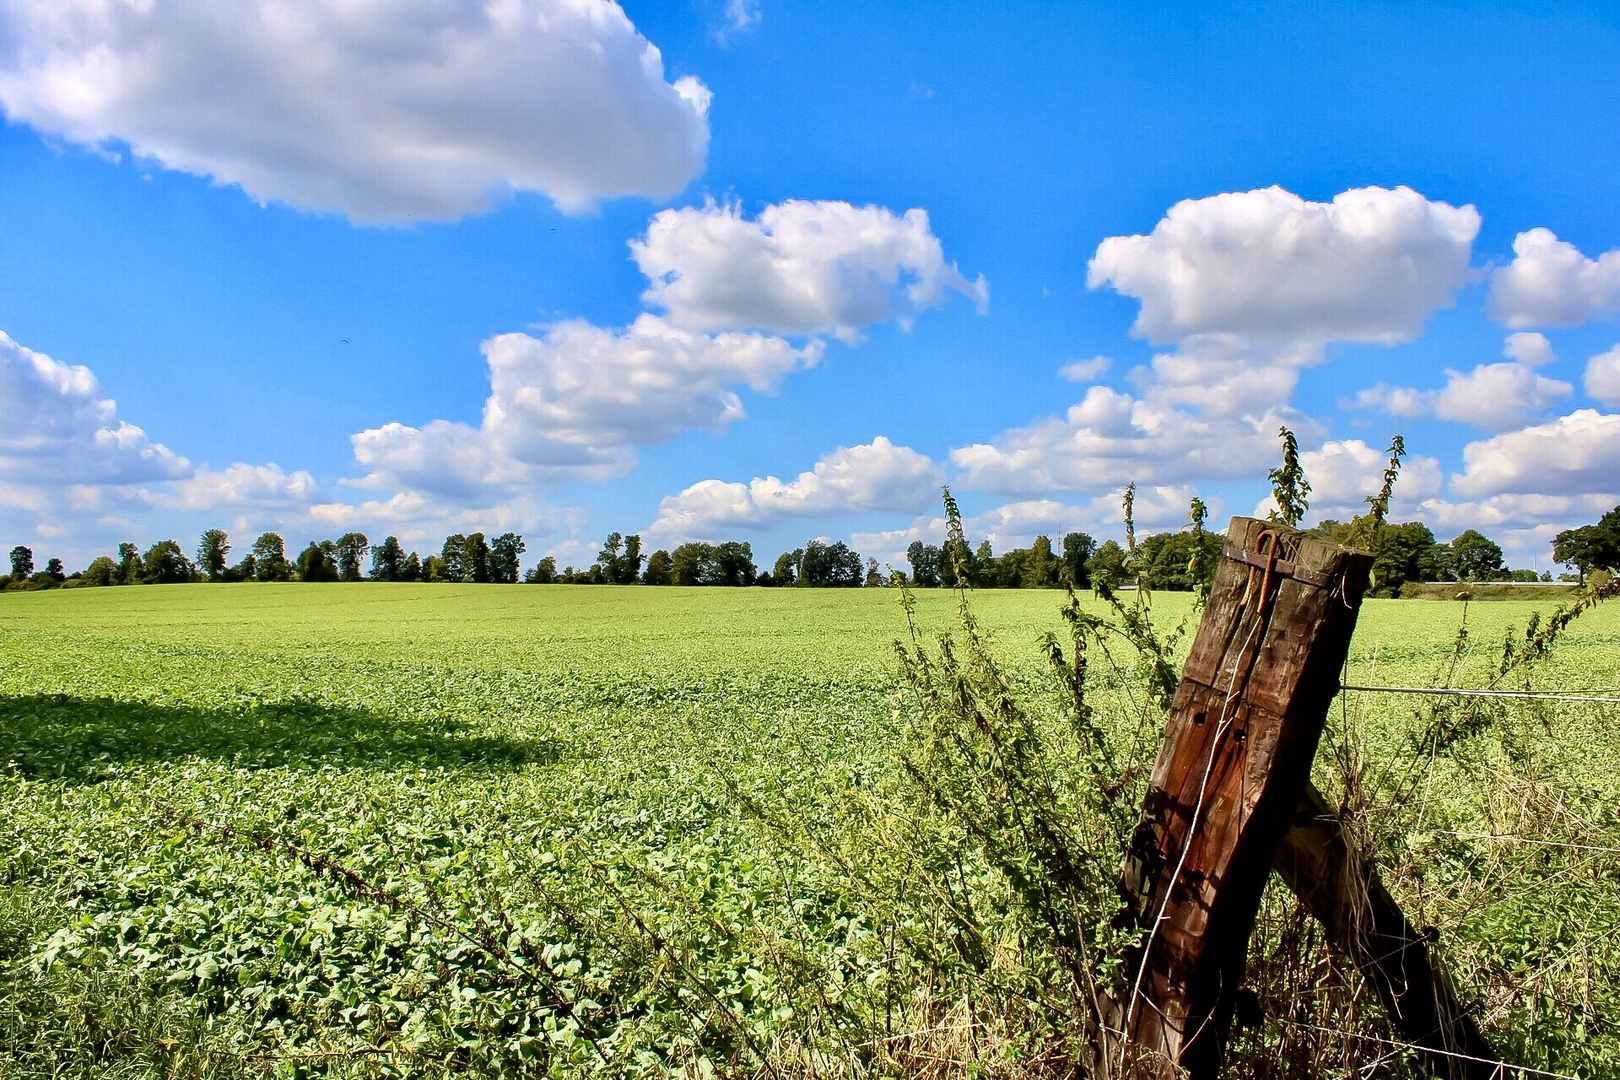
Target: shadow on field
<point x="57" y="735"/>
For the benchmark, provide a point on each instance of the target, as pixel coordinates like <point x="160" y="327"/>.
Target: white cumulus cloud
<point x="58" y="427"/>
<point x="1269" y="266"/>
<point x="1493" y="397"/>
<point x="576" y="402"/>
<point x="800" y="267"/>
<point x="1550" y="283"/>
<point x="1110" y="438"/>
<point x="1344" y="472"/>
<point x="1602" y="380"/>
<point x="1577" y="454"/>
<point x="381" y="111"/>
<point x="874" y="476"/>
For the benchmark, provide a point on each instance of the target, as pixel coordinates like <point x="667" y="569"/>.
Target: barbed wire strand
<point x="1525" y="840"/>
<point x="1500" y="1065"/>
<point x="1606" y="696"/>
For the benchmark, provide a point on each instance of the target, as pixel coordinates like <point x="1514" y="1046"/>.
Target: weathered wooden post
<point x="1340" y="887"/>
<point x="1236" y="759"/>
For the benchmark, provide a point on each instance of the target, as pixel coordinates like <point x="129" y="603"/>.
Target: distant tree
<point x="620" y="559"/>
<point x="22" y="562"/>
<point x="659" y="565"/>
<point x="316" y="564"/>
<point x="53" y="568"/>
<point x="1172" y="561"/>
<point x="433" y="568"/>
<point x="388" y="561"/>
<point x="1106" y="568"/>
<point x="829" y="565"/>
<point x="786" y="567"/>
<point x="246" y="570"/>
<point x="874" y="577"/>
<point x="1078" y="547"/>
<point x="1041" y="569"/>
<point x="475" y="559"/>
<point x="504" y="554"/>
<point x="450" y="556"/>
<point x="692" y="564"/>
<point x="924" y="560"/>
<point x="543" y="572"/>
<point x="411" y="568"/>
<point x="351" y="555"/>
<point x="734" y="563"/>
<point x="1590" y="547"/>
<point x="166" y="564"/>
<point x="211" y="551"/>
<point x="270" y="558"/>
<point x="102" y="571"/>
<point x="1402" y="553"/>
<point x="130" y="568"/>
<point x="1475" y="557"/>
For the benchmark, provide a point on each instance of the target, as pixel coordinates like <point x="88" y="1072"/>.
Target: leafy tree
<point x="102" y="571"/>
<point x="829" y="565"/>
<point x="270" y="558"/>
<point x="1173" y="561"/>
<point x="22" y="562"/>
<point x="166" y="564"/>
<point x="433" y="568"/>
<point x="315" y="564"/>
<point x="246" y="570"/>
<point x="212" y="548"/>
<point x="1106" y="568"/>
<point x="924" y="560"/>
<point x="351" y="555"/>
<point x="786" y="568"/>
<point x="388" y="561"/>
<point x="1475" y="557"/>
<point x="658" y="568"/>
<point x="620" y="559"/>
<point x="1402" y="553"/>
<point x="504" y="554"/>
<point x="874" y="577"/>
<point x="450" y="567"/>
<point x="1078" y="547"/>
<point x="475" y="559"/>
<point x="130" y="568"/>
<point x="734" y="563"/>
<point x="1591" y="547"/>
<point x="1041" y="568"/>
<point x="1289" y="487"/>
<point x="53" y="567"/>
<point x="411" y="568"/>
<point x="543" y="572"/>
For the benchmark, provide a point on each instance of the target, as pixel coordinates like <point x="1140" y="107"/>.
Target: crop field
<point x="381" y="829"/>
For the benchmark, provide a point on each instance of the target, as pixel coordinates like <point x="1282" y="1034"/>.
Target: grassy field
<point x="385" y="829"/>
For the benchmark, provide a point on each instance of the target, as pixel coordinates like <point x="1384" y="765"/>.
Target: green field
<point x="690" y="803"/>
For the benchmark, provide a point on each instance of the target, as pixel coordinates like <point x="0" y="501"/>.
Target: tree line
<point x="1171" y="561"/>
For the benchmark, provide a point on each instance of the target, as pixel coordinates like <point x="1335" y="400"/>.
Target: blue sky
<point x="732" y="269"/>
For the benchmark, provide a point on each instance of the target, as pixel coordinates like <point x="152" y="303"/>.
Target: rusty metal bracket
<point x="1263" y="560"/>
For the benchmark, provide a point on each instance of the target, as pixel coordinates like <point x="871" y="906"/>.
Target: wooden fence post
<point x="1241" y="734"/>
<point x="1339" y="886"/>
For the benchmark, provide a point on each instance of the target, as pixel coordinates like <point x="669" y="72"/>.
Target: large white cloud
<point x="1602" y="382"/>
<point x="874" y="476"/>
<point x="1577" y="454"/>
<point x="799" y="268"/>
<point x="1110" y="438"/>
<point x="1269" y="266"/>
<point x="1494" y="397"/>
<point x="575" y="402"/>
<point x="1550" y="283"/>
<point x="59" y="428"/>
<point x="382" y="111"/>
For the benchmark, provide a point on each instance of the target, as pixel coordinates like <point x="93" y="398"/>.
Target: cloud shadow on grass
<point x="61" y="736"/>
